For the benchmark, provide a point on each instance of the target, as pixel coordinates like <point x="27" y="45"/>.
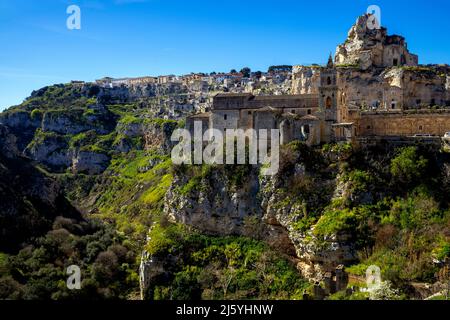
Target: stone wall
<point x="248" y="101"/>
<point x="403" y="124"/>
<point x="231" y="101"/>
<point x="225" y="119"/>
<point x="246" y="119"/>
<point x="300" y="128"/>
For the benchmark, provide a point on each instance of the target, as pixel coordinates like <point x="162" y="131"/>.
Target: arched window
<point x="329" y="81"/>
<point x="328" y="103"/>
<point x="306" y="129"/>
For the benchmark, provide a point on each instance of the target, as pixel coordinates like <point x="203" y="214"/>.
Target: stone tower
<point x="328" y="93"/>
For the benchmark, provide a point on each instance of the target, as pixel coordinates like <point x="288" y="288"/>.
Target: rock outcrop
<point x="29" y="200"/>
<point x="213" y="205"/>
<point x="305" y="80"/>
<point x="258" y="208"/>
<point x="369" y="46"/>
<point x="50" y="150"/>
<point x="21" y="124"/>
<point x="90" y="162"/>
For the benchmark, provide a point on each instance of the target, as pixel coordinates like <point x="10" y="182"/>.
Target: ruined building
<point x="374" y="87"/>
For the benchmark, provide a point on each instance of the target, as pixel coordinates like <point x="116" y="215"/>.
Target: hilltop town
<point x="372" y="87"/>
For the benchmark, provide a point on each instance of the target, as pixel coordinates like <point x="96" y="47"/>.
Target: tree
<point x="105" y="267"/>
<point x="233" y="71"/>
<point x="224" y="278"/>
<point x="408" y="166"/>
<point x="258" y="74"/>
<point x="246" y="72"/>
<point x="282" y="68"/>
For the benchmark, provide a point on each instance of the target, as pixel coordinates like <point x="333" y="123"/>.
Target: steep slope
<point x="210" y="232"/>
<point x="381" y="205"/>
<point x="29" y="200"/>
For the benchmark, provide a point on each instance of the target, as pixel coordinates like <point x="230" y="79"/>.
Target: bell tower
<point x="328" y="95"/>
<point x="328" y="91"/>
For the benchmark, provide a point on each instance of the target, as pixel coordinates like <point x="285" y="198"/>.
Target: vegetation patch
<point x="221" y="268"/>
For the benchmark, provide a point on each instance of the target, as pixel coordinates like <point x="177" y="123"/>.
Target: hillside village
<point x="373" y="87"/>
<point x="193" y="93"/>
<point x="86" y="178"/>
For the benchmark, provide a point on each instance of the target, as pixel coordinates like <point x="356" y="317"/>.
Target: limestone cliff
<point x="29" y="200"/>
<point x="238" y="201"/>
<point x="305" y="80"/>
<point x="370" y="46"/>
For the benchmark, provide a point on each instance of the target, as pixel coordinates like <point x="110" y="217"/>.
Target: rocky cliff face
<point x="78" y="128"/>
<point x="22" y="125"/>
<point x="212" y="201"/>
<point x="50" y="150"/>
<point x="369" y="46"/>
<point x="305" y="80"/>
<point x="315" y="257"/>
<point x="398" y="88"/>
<point x="29" y="200"/>
<point x="90" y="162"/>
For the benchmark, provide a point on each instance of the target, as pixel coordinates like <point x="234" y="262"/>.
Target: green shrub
<point x="415" y="211"/>
<point x="39" y="270"/>
<point x="442" y="250"/>
<point x="165" y="240"/>
<point x="129" y="119"/>
<point x="408" y="166"/>
<point x="359" y="181"/>
<point x="222" y="268"/>
<point x="335" y="221"/>
<point x="36" y="114"/>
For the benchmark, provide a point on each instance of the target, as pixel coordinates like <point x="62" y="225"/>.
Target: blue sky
<point x="121" y="38"/>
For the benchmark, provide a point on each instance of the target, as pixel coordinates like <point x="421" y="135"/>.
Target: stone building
<point x="294" y="115"/>
<point x="374" y="87"/>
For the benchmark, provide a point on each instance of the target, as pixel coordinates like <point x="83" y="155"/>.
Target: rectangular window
<point x="225" y="117"/>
